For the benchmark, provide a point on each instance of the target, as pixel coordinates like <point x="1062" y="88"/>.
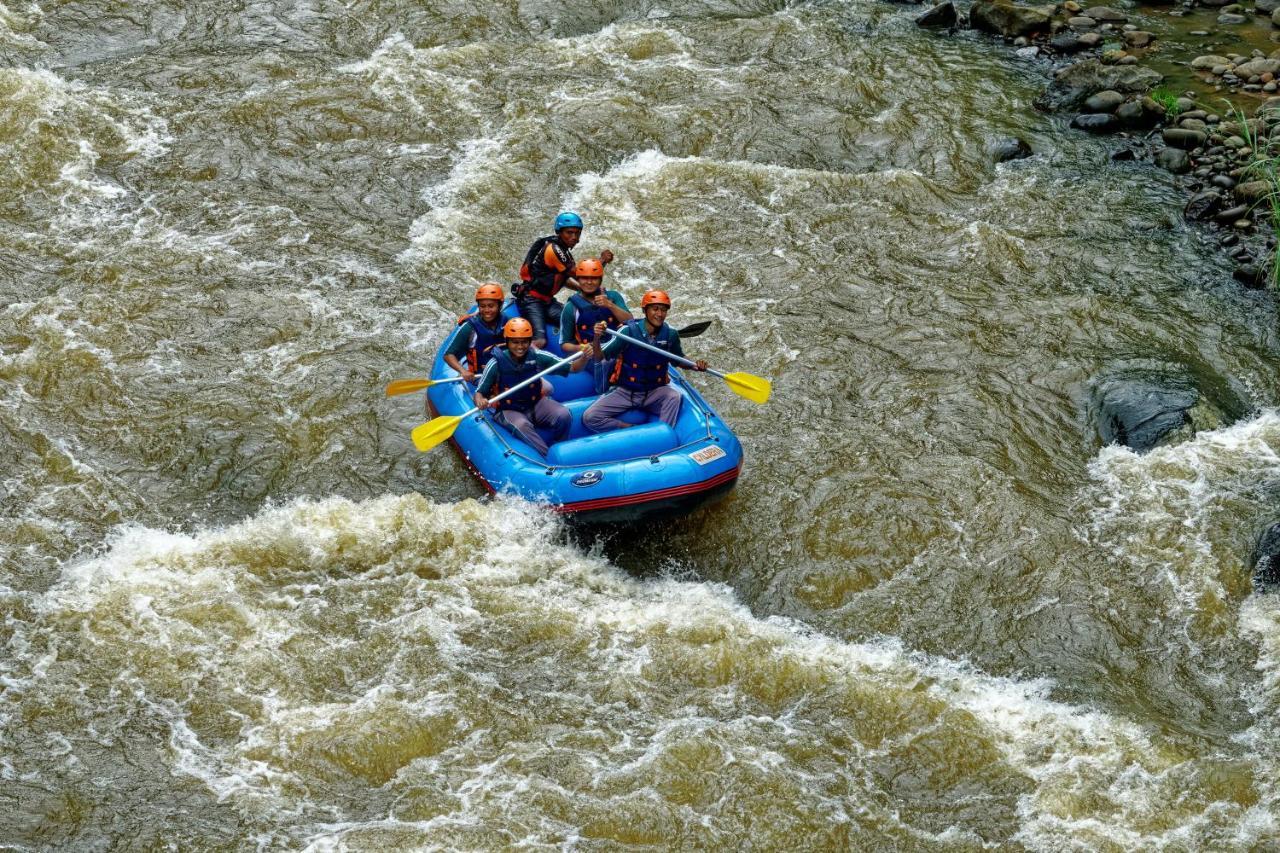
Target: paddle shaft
<point x="514" y="388"/>
<point x="678" y="359"/>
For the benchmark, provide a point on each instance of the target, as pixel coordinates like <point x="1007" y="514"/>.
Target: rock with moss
<point x="1073" y="84"/>
<point x="1007" y="19"/>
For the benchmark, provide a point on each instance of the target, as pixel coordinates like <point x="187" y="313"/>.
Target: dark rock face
<point x="1003" y="150"/>
<point x="1202" y="206"/>
<point x="1266" y="560"/>
<point x="1181" y="137"/>
<point x="1175" y="160"/>
<point x="1073" y="84"/>
<point x="1005" y="19"/>
<point x="942" y="15"/>
<point x="1141" y="412"/>
<point x="1251" y="276"/>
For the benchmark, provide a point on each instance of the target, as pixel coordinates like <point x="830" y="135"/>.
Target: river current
<point x="240" y="611"/>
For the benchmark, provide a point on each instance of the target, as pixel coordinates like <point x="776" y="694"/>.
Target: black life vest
<point x="511" y="374"/>
<point x="483" y="342"/>
<point x="538" y="278"/>
<point x="638" y="369"/>
<point x="588" y="315"/>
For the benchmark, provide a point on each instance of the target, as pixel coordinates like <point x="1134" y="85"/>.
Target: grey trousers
<point x="602" y="415"/>
<point x="546" y="413"/>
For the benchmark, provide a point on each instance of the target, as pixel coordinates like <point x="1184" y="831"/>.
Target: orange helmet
<point x="489" y="290"/>
<point x="517" y="327"/>
<point x="589" y="268"/>
<point x="655" y="297"/>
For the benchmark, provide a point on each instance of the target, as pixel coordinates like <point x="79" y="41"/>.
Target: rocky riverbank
<point x="1101" y="63"/>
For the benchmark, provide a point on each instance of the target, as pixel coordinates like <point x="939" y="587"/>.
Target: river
<point x="240" y="611"/>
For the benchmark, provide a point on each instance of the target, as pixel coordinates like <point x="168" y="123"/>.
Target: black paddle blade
<point x="694" y="329"/>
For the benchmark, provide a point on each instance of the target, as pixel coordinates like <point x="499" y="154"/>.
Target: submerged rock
<point x="1174" y="160"/>
<point x="1096" y="122"/>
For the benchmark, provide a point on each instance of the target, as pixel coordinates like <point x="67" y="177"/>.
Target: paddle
<point x="428" y="435"/>
<point x="754" y="388"/>
<point x="408" y="386"/>
<point x="694" y="329"/>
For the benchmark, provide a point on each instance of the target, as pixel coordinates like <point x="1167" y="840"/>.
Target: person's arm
<point x="606" y="257"/>
<point x="487" y="378"/>
<point x="568" y="320"/>
<point x="457" y="350"/>
<point x="676" y="349"/>
<point x="617" y="306"/>
<point x="600" y="352"/>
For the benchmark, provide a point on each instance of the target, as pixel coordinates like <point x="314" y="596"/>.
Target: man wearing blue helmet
<point x="548" y="266"/>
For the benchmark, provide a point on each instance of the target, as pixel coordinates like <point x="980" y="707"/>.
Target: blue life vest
<point x="637" y="369"/>
<point x="483" y="343"/>
<point x="588" y="316"/>
<point x="511" y="374"/>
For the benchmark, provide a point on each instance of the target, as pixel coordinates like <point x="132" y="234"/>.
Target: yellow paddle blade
<point x="754" y="388"/>
<point x="407" y="386"/>
<point x="434" y="431"/>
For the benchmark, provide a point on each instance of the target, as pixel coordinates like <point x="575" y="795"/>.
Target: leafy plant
<point x="1263" y="165"/>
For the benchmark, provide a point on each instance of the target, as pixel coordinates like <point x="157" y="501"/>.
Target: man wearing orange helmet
<point x="548" y="266"/>
<point x="641" y="376"/>
<point x="530" y="407"/>
<point x="479" y="333"/>
<point x="589" y="306"/>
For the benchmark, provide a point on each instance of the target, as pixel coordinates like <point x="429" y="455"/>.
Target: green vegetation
<point x="1168" y="100"/>
<point x="1263" y="165"/>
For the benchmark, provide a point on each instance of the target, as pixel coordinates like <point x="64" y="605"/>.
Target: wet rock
<point x="1182" y="138"/>
<point x="1081" y="22"/>
<point x="1096" y="122"/>
<point x="1124" y="155"/>
<point x="1193" y="124"/>
<point x="1257" y="67"/>
<point x="1265" y="560"/>
<point x="1224" y="182"/>
<point x="1103" y="102"/>
<point x="1141" y="412"/>
<point x="1232" y="214"/>
<point x="1003" y="150"/>
<point x="1067" y="43"/>
<point x="1140" y="38"/>
<point x="942" y="15"/>
<point x="1202" y="206"/>
<point x="1266" y="7"/>
<point x="1004" y="18"/>
<point x="1091" y="39"/>
<point x="1253" y="191"/>
<point x="1174" y="160"/>
<point x="1251" y="276"/>
<point x="1231" y="19"/>
<point x="1071" y="85"/>
<point x="1106" y="13"/>
<point x="1275" y="18"/>
<point x="1208" y="61"/>
<point x="1132" y="114"/>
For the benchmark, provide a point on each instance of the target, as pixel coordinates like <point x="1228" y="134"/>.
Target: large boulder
<point x="1009" y="148"/>
<point x="1073" y="84"/>
<point x="1004" y="18"/>
<point x="1256" y="68"/>
<point x="1141" y="413"/>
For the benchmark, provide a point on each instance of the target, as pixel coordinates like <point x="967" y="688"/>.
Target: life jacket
<point x="588" y="316"/>
<point x="483" y="342"/>
<point x="511" y="374"/>
<point x="638" y="369"/>
<point x="539" y="276"/>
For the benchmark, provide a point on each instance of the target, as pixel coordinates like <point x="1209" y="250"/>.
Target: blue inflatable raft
<point x="621" y="476"/>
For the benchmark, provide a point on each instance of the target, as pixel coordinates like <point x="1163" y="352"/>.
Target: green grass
<point x="1264" y="165"/>
<point x="1168" y="100"/>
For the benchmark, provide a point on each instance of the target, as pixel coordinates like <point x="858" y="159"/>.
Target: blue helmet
<point x="568" y="219"/>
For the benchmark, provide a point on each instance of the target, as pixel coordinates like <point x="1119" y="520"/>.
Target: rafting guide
<point x="626" y="439"/>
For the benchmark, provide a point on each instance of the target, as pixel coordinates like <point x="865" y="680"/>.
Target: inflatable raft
<point x="621" y="476"/>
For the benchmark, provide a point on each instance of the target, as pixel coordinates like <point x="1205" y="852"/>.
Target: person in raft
<point x="481" y="332"/>
<point x="530" y="407"/>
<point x="548" y="266"/>
<point x="641" y="376"/>
<point x="584" y="309"/>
